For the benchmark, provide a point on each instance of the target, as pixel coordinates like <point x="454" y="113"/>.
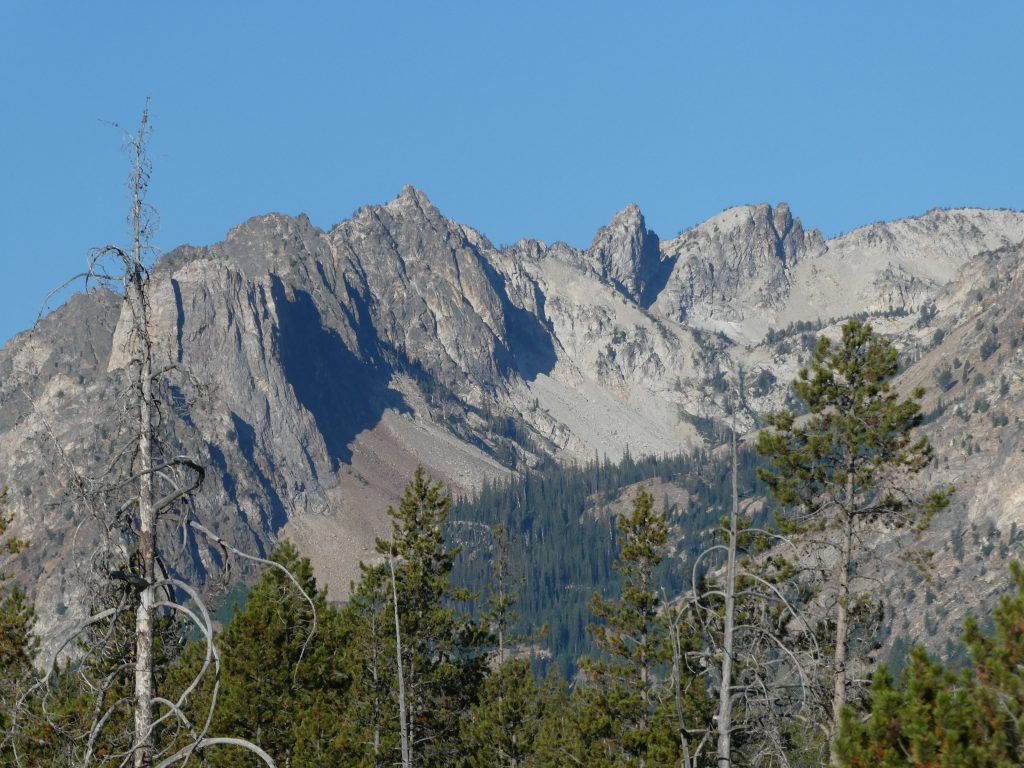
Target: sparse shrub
<point x="988" y="346"/>
<point x="763" y="383"/>
<point x="928" y="312"/>
<point x="944" y="378"/>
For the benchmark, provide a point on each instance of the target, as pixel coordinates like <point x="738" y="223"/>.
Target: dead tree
<point x="755" y="644"/>
<point x="143" y="493"/>
<point x="724" y="721"/>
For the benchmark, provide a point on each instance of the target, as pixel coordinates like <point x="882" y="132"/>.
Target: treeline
<point x="410" y="671"/>
<point x="315" y="684"/>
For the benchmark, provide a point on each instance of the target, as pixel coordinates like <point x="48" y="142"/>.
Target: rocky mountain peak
<point x="772" y="233"/>
<point x="269" y="225"/>
<point x="412" y="201"/>
<point x="428" y="289"/>
<point x="268" y="243"/>
<point x="736" y="267"/>
<point x="782" y="222"/>
<point x="627" y="254"/>
<point x="340" y="360"/>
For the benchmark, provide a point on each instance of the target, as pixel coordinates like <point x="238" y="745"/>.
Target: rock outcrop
<point x="324" y="365"/>
<point x="733" y="272"/>
<point x="627" y="254"/>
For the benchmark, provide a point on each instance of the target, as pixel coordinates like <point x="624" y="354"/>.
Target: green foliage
<point x="858" y="435"/>
<point x="565" y="550"/>
<point x="763" y="383"/>
<point x="988" y="346"/>
<point x="842" y="471"/>
<point x="56" y="715"/>
<point x="18" y="646"/>
<point x="944" y="378"/>
<point x="442" y="651"/>
<point x="501" y="729"/>
<point x="927" y="314"/>
<point x="623" y="720"/>
<point x="938" y="717"/>
<point x="283" y="682"/>
<point x="998" y="660"/>
<point x="798" y="327"/>
<point x="625" y="625"/>
<point x="371" y="712"/>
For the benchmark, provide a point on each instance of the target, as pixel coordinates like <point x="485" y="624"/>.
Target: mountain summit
<point x="628" y="255"/>
<point x="329" y="364"/>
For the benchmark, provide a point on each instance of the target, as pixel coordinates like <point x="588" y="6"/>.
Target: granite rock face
<point x="736" y="269"/>
<point x="627" y="254"/>
<point x="323" y="366"/>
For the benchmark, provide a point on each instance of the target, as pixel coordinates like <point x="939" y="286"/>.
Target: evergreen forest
<point x="564" y="541"/>
<point x="527" y="627"/>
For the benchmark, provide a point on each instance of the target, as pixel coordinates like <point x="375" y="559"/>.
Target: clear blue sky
<point x="535" y="119"/>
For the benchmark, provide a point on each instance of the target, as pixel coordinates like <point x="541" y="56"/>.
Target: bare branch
<point x="186" y="752"/>
<point x="196" y="525"/>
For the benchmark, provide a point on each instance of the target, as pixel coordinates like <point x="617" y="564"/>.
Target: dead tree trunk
<point x="130" y="505"/>
<point x="842" y="614"/>
<point x="143" y="364"/>
<point x="724" y="722"/>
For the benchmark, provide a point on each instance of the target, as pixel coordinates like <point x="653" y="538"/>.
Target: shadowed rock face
<point x="324" y="365"/>
<point x="626" y="254"/>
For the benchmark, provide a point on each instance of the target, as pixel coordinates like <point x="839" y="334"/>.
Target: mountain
<point x="323" y="366"/>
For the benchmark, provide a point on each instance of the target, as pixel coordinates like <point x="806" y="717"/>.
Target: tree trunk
<point x="403" y="715"/>
<point x="147" y="557"/>
<point x="375" y="662"/>
<point x="147" y="512"/>
<point x="725" y="689"/>
<point x="842" y="617"/>
<point x="677" y="689"/>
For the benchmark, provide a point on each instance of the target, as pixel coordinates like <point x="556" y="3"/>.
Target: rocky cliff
<point x="324" y="365"/>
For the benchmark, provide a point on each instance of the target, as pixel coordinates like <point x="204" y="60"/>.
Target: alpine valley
<point x="324" y="366"/>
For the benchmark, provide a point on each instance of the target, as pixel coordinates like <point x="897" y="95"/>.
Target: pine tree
<point x="283" y="686"/>
<point x="372" y="707"/>
<point x="753" y="643"/>
<point x="998" y="663"/>
<point x="441" y="660"/>
<point x="80" y="712"/>
<point x="618" y="702"/>
<point x="929" y="718"/>
<point x="501" y="729"/>
<point x="846" y="468"/>
<point x="936" y="717"/>
<point x="560" y="736"/>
